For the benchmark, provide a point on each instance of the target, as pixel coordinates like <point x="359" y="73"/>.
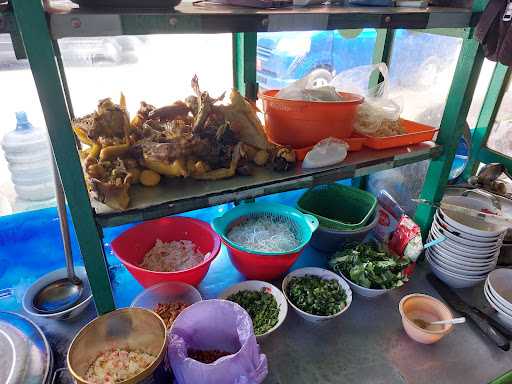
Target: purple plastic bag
<point x="221" y="325"/>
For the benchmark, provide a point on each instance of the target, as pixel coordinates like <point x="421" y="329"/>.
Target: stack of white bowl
<point x="471" y="248"/>
<point x="498" y="292"/>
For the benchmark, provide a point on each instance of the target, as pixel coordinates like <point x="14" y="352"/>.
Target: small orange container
<point x="301" y="124"/>
<point x="416" y="133"/>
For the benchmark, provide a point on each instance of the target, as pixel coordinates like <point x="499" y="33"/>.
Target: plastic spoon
<point x="457" y="320"/>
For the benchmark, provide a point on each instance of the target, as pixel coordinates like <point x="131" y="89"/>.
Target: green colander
<point x="338" y="206"/>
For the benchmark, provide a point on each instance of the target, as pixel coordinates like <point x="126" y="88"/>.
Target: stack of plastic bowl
<point x="346" y="215"/>
<point x="470" y="251"/>
<point x="498" y="292"/>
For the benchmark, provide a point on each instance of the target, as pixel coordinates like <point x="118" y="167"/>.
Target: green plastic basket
<point x="338" y="207"/>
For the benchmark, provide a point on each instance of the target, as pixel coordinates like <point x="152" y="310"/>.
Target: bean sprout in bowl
<point x="188" y="237"/>
<point x="255" y="224"/>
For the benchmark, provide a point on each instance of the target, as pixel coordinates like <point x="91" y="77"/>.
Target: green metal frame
<point x="244" y="64"/>
<point x="381" y="54"/>
<point x="31" y="23"/>
<point x="459" y="100"/>
<point x="49" y="77"/>
<point x="490" y="107"/>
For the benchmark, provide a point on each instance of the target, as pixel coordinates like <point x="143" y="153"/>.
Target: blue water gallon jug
<point x="28" y="155"/>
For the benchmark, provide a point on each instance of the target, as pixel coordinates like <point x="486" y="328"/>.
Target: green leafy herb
<point x="370" y="267"/>
<point x="317" y="296"/>
<point x="261" y="306"/>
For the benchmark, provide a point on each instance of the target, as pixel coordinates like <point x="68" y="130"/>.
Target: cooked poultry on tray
<point x="200" y="138"/>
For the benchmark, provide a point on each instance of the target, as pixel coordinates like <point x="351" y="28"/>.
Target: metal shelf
<point x="178" y="195"/>
<point x="209" y="18"/>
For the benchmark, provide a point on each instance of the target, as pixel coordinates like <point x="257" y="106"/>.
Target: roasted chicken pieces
<point x="198" y="138"/>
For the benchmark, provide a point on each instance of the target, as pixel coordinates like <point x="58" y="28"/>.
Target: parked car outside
<point x="79" y="51"/>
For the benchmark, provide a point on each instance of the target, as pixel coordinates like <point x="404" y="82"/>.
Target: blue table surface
<point x="366" y="345"/>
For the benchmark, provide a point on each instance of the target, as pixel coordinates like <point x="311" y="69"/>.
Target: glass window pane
<point x="421" y="72"/>
<point x="285" y="57"/>
<point x="20" y="95"/>
<point x="156" y="68"/>
<point x="500" y="139"/>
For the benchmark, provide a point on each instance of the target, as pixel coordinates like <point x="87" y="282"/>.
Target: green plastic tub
<point x="338" y="207"/>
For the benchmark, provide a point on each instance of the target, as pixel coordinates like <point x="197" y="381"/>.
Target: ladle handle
<point x="63" y="220"/>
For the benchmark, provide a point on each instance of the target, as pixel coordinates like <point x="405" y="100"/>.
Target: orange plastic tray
<point x="354" y="144"/>
<point x="416" y="133"/>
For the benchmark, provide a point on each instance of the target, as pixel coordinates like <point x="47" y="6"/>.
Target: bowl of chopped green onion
<point x="317" y="294"/>
<point x="265" y="304"/>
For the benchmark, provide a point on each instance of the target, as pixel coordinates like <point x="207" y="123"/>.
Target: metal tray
<point x="25" y="355"/>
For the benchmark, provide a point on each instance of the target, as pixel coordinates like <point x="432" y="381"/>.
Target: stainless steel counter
<point x="366" y="344"/>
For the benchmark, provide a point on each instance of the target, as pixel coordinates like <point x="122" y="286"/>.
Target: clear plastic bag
<point x="216" y="325"/>
<point x="379" y="114"/>
<point x="313" y="87"/>
<point x="326" y="152"/>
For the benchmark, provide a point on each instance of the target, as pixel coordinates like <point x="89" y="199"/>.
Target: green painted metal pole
<point x="506" y="378"/>
<point x="31" y="22"/>
<point x="244" y="64"/>
<point x="487" y="156"/>
<point x="490" y="107"/>
<point x="381" y="54"/>
<point x="459" y="100"/>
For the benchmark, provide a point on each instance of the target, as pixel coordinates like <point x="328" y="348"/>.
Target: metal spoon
<point x="64" y="293"/>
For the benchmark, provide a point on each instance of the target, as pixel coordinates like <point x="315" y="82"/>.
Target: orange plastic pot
<point x="302" y="124"/>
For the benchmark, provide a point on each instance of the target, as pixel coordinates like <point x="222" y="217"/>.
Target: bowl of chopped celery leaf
<point x="265" y="304"/>
<point x="317" y="294"/>
<point x="369" y="269"/>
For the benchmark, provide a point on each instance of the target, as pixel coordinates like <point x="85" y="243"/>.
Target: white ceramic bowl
<point x="460" y="240"/>
<point x="501" y="281"/>
<point x="256" y="285"/>
<point x="467" y="223"/>
<point x="463" y="249"/>
<point x="443" y="259"/>
<point x="369" y="293"/>
<point x="460" y="272"/>
<point x="491" y="293"/>
<point x="459" y="268"/>
<point x="324" y="274"/>
<point x="452" y="280"/>
<point x="456" y="271"/>
<point x="441" y="222"/>
<point x="44" y="280"/>
<point x="463" y="261"/>
<point x="468" y="256"/>
<point x="505" y="319"/>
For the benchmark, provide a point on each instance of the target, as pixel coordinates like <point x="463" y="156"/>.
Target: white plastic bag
<point x="379" y="114"/>
<point x="326" y="152"/>
<point x="313" y="87"/>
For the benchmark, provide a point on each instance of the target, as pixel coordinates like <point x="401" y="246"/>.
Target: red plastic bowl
<point x="131" y="246"/>
<point x="261" y="267"/>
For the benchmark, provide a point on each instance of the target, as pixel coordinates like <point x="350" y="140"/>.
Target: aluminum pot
<point x="127" y="328"/>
